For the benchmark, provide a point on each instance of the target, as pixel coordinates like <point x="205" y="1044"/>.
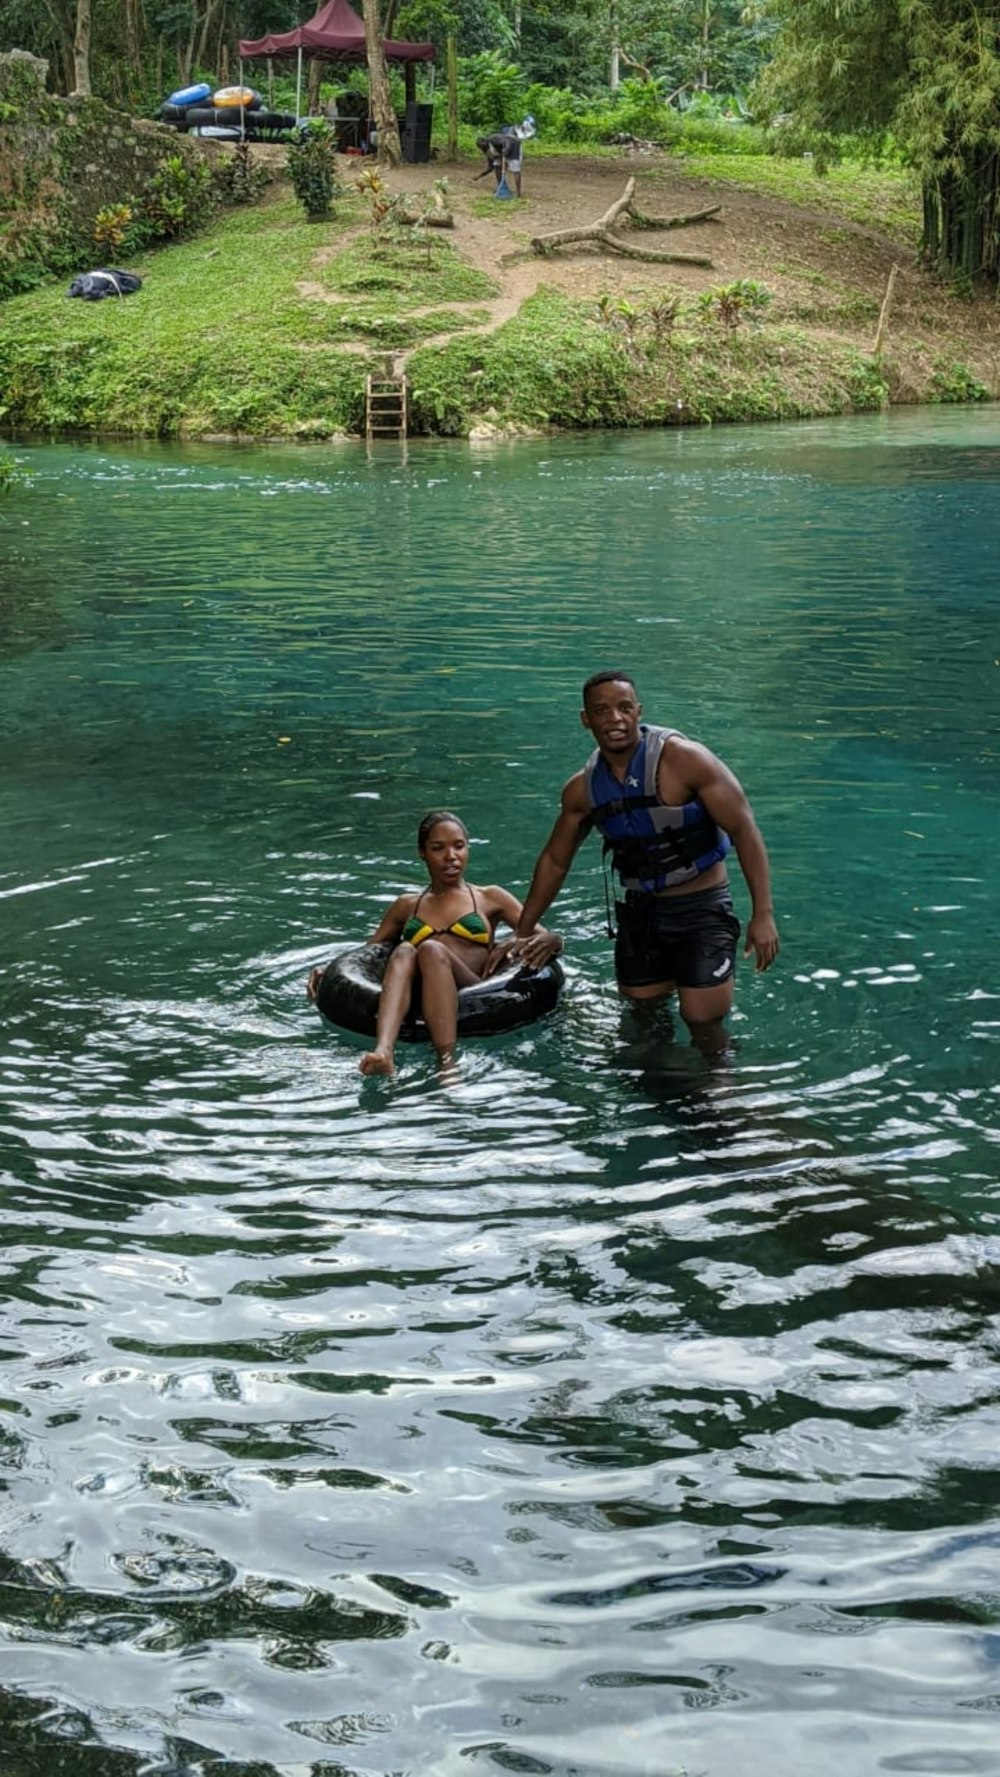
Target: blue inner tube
<point x="190" y="95"/>
<point x="349" y="992"/>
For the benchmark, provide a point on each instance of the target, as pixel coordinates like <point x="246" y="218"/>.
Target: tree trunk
<point x="133" y="43"/>
<point x="565" y="237"/>
<point x="389" y="151"/>
<point x="313" y="85"/>
<point x="452" y="68"/>
<point x="201" y="53"/>
<point x="81" y="51"/>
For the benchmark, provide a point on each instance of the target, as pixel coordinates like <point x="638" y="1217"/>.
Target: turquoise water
<point x="604" y="1413"/>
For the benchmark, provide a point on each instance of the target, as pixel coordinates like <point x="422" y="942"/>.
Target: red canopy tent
<point x="334" y="34"/>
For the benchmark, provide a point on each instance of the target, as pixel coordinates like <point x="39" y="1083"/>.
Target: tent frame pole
<point x="298" y="87"/>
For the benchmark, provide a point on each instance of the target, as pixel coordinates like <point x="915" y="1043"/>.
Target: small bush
<point x="241" y="179"/>
<point x="491" y="90"/>
<point x="310" y="158"/>
<point x="177" y="199"/>
<point x="111" y="226"/>
<point x="729" y="304"/>
<point x="955" y="382"/>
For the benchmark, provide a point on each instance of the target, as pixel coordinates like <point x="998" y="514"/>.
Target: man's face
<point x="612" y="713"/>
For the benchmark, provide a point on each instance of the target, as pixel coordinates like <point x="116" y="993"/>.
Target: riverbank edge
<point x="552" y="368"/>
<point x="244" y="334"/>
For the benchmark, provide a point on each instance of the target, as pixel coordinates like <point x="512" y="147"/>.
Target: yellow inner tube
<point x="234" y="95"/>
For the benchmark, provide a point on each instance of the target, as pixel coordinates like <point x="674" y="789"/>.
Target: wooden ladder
<point x="385" y="407"/>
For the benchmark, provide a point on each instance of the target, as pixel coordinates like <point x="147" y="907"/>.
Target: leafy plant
<point x="241" y="179"/>
<point x="177" y="198"/>
<point x="729" y="304"/>
<point x="955" y="382"/>
<point x="639" y="330"/>
<point x="111" y="226"/>
<point x="310" y="158"/>
<point x="491" y="90"/>
<point x="11" y="471"/>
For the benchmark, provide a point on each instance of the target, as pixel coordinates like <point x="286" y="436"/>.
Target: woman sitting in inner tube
<point x="444" y="936"/>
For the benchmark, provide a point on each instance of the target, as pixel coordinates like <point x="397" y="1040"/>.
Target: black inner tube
<point x="350" y="986"/>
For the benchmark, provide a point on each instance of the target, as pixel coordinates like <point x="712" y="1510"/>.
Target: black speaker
<point x="416" y="132"/>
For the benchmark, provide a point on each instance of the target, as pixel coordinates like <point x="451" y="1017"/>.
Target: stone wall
<point x="61" y="161"/>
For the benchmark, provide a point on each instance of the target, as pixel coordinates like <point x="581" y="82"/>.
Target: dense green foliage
<point x="138" y="53"/>
<point x="81" y="180"/>
<point x="923" y="74"/>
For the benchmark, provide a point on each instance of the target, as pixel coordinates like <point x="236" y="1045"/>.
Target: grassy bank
<point x="266" y="325"/>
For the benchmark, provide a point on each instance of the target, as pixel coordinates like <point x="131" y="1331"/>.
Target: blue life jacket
<point x="652" y="845"/>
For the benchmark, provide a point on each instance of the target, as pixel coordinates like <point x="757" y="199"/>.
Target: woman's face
<point x="446" y="851"/>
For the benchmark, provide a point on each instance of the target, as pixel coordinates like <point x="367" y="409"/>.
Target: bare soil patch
<point x="826" y="273"/>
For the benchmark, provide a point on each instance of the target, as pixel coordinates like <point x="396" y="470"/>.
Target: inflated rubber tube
<point x="271" y="120"/>
<point x="243" y="97"/>
<point x="217" y="131"/>
<point x="191" y="95"/>
<point x="178" y="115"/>
<point x="350" y="987"/>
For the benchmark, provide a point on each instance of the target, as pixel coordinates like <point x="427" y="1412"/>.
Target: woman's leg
<point x="397" y="986"/>
<point x="441" y="976"/>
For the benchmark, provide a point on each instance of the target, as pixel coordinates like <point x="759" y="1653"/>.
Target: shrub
<point x="111" y="226"/>
<point x="491" y="91"/>
<point x="241" y="179"/>
<point x="310" y="157"/>
<point x="731" y="303"/>
<point x="177" y="199"/>
<point x="955" y="382"/>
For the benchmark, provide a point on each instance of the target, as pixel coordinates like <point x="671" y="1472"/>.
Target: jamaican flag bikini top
<point x="469" y="925"/>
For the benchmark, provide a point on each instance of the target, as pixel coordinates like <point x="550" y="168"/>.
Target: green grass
<point x="394" y="330"/>
<point x="887" y="198"/>
<point x="219" y="338"/>
<point x="425" y="270"/>
<point x="555" y="364"/>
<point x="212" y="342"/>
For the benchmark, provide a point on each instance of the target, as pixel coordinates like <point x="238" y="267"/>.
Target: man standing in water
<point x="668" y="811"/>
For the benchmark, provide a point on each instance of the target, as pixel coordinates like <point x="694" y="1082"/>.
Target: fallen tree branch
<point x="436" y="219"/>
<point x="565" y="237"/>
<point x="639" y="219"/>
<point x="605" y="232"/>
<point x="615" y="244"/>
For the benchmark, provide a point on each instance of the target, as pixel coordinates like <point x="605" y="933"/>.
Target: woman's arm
<point x="390" y="926"/>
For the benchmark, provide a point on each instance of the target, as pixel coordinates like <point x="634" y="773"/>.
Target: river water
<point x="606" y="1412"/>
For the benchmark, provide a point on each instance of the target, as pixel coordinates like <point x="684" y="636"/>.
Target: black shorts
<point x="687" y="939"/>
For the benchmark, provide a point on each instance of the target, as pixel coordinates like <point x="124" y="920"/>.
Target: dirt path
<point x="824" y="272"/>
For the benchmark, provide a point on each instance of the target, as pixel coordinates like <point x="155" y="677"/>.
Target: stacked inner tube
<point x="228" y="114"/>
<point x="350" y="987"/>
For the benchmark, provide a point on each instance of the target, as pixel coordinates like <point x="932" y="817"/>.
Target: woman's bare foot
<point x="380" y="1061"/>
<point x="448" y="1063"/>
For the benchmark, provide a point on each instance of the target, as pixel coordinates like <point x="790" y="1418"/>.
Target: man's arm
<point x="531" y="943"/>
<point x="724" y="797"/>
<point x="572" y="826"/>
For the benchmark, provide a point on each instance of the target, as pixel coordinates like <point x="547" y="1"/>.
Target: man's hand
<point x="532" y="953"/>
<point x="762" y="941"/>
<point x="312" y="985"/>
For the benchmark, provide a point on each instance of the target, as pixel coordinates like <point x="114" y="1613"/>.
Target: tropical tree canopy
<point x="923" y="73"/>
